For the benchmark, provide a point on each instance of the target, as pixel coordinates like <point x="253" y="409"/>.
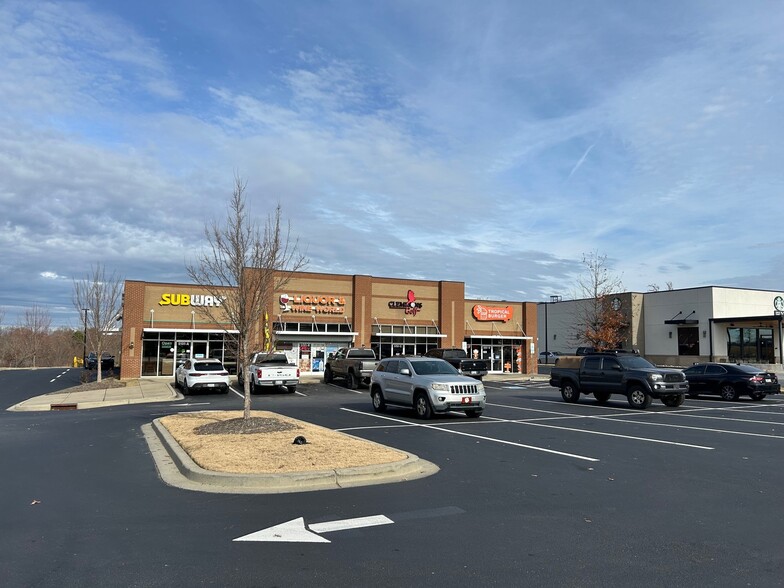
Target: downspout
<point x="710" y="337"/>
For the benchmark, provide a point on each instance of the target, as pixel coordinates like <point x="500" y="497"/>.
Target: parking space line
<point x="702" y="428"/>
<point x="632" y="437"/>
<point x="473" y="436"/>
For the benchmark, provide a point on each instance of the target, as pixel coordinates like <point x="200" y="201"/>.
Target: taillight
<point x="258" y="373"/>
<point x="223" y="374"/>
<point x="298" y="372"/>
<point x="757" y="379"/>
<point x="195" y="374"/>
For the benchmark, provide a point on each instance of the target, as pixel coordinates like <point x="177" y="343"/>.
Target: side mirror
<point x="405" y="372"/>
<point x="331" y="356"/>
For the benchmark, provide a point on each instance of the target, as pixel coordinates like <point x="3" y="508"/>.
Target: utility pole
<point x="84" y="348"/>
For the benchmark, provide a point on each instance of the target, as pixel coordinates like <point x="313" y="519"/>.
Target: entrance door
<point x="199" y="350"/>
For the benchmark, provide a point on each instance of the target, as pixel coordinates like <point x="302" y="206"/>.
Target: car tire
<point x="602" y="397"/>
<point x="673" y="400"/>
<point x="474" y="413"/>
<point x="422" y="406"/>
<point x="639" y="398"/>
<point x="570" y="393"/>
<point x="377" y="397"/>
<point x="185" y="390"/>
<point x="728" y="392"/>
<point x="224" y="390"/>
<point x="291" y="389"/>
<point x="757" y="395"/>
<point x="351" y="381"/>
<point x="327" y="376"/>
<point x="253" y="387"/>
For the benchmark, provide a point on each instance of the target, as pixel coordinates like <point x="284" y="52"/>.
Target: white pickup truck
<point x="270" y="371"/>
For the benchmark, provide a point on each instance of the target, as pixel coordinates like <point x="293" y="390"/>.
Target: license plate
<point x="768" y="380"/>
<point x="278" y="382"/>
<point x="210" y="385"/>
<point x="465" y="400"/>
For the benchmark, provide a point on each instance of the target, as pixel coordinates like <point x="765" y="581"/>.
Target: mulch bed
<point x="241" y="427"/>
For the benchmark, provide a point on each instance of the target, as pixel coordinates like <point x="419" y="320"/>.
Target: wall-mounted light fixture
<point x="130" y="345"/>
<point x="704" y="334"/>
<point x="670" y="333"/>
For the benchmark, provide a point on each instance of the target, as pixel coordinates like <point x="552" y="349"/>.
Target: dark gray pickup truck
<point x="606" y="373"/>
<point x="475" y="368"/>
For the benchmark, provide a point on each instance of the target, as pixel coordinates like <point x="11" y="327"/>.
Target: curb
<point x="191" y="476"/>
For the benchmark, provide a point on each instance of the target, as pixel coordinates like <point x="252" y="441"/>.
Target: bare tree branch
<point x="243" y="265"/>
<point x="596" y="322"/>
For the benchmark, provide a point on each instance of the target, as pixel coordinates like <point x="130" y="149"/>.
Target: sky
<point x="491" y="142"/>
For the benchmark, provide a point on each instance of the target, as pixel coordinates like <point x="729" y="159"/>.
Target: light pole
<point x="84" y="342"/>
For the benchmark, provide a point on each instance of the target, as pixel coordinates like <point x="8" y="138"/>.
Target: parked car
<point x="730" y="380"/>
<point x="107" y="361"/>
<point x="548" y="356"/>
<point x="426" y="384"/>
<point x="585" y="350"/>
<point x="353" y="364"/>
<point x="201" y="374"/>
<point x="476" y="368"/>
<point x="270" y="371"/>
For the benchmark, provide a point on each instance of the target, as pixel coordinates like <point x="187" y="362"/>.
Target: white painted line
<point x="704" y="429"/>
<point x="357" y="523"/>
<point x="503" y="442"/>
<point x="632" y="437"/>
<point x="726" y="419"/>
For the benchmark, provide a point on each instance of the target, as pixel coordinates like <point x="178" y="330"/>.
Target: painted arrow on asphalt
<point x="295" y="531"/>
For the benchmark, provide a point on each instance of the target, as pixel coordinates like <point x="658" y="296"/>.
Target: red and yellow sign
<point x="492" y="313"/>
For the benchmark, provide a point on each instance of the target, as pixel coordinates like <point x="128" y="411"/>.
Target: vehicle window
<point x="593" y="363"/>
<point x="277" y="359"/>
<point x="610" y="363"/>
<point x="427" y="368"/>
<point x="715" y="369"/>
<point x="694" y="370"/>
<point x="211" y="366"/>
<point x="748" y="369"/>
<point x="393" y="366"/>
<point x="453" y="354"/>
<point x="634" y="362"/>
<point x="382" y="367"/>
<point x="363" y="353"/>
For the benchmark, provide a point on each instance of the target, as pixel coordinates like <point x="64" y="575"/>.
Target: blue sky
<point x="490" y="142"/>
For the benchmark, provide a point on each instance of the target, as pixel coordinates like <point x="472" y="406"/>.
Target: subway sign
<point x="171" y="299"/>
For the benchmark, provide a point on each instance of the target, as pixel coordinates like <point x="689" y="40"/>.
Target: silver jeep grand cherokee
<point x="427" y="385"/>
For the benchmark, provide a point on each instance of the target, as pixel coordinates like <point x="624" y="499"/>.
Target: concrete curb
<point x="191" y="476"/>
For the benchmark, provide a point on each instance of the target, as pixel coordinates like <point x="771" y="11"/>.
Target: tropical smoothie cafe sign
<point x="312" y="304"/>
<point x="492" y="313"/>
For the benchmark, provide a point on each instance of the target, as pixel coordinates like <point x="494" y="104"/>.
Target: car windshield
<point x="634" y="361"/>
<point x="362" y="353"/>
<point x="427" y="368"/>
<point x="274" y="359"/>
<point x="208" y="366"/>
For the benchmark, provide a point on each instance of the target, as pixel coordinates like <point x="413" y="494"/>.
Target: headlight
<point x="480" y="388"/>
<point x="441" y="387"/>
<point x="655" y="377"/>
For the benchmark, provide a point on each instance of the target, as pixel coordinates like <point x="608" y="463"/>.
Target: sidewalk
<point x="134" y="392"/>
<point x="161" y="390"/>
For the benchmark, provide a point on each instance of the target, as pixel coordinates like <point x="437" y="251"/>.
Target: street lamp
<point x="84" y="342"/>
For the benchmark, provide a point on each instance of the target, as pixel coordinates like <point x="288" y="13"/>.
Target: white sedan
<point x="202" y="374"/>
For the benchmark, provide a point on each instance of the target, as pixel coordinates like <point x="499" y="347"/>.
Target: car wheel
<point x="291" y="389"/>
<point x="757" y="395"/>
<point x="673" y="400"/>
<point x="327" y="376"/>
<point x="176" y="384"/>
<point x="639" y="398"/>
<point x="185" y="390"/>
<point x="351" y="381"/>
<point x="728" y="392"/>
<point x="379" y="405"/>
<point x="422" y="406"/>
<point x="474" y="413"/>
<point x="253" y="387"/>
<point x="601" y="397"/>
<point x="570" y="393"/>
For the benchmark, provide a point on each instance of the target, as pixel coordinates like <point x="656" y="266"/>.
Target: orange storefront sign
<point x="492" y="313"/>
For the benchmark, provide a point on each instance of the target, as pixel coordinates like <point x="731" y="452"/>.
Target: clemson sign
<point x="492" y="313"/>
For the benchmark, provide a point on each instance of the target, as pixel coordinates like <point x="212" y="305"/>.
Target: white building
<point x="680" y="327"/>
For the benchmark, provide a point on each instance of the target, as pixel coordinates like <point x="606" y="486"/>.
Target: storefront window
<point x="688" y="341"/>
<point x="750" y="345"/>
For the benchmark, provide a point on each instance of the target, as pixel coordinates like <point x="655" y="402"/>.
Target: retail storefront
<point x="315" y="314"/>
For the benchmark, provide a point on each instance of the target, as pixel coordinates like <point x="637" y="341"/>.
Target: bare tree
<point x="655" y="287"/>
<point x="98" y="296"/>
<point x="244" y="264"/>
<point x="597" y="322"/>
<point x="35" y="329"/>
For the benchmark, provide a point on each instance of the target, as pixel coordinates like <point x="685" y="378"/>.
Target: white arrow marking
<point x="294" y="531"/>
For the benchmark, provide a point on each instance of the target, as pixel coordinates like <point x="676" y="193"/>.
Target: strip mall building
<point x="318" y="313"/>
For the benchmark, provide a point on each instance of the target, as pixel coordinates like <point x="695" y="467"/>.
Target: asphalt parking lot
<point x="536" y="492"/>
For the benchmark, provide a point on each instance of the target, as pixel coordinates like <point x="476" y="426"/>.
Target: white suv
<point x="426" y="384"/>
<point x="202" y="374"/>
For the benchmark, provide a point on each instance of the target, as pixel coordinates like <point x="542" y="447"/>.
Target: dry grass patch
<point x="213" y="439"/>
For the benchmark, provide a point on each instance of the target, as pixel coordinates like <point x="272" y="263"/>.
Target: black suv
<point x="91" y="363"/>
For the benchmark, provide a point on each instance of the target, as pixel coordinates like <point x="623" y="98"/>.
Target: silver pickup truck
<point x="354" y="364"/>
